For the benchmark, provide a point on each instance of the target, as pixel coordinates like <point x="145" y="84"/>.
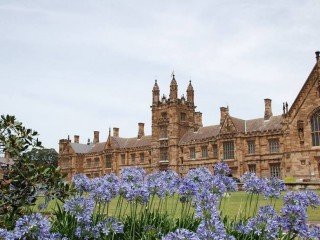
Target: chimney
<point x="141" y="130"/>
<point x="116" y="132"/>
<point x="267" y="109"/>
<point x="96" y="137"/>
<point x="223" y="113"/>
<point x="317" y="55"/>
<point x="198" y="120"/>
<point x="76" y="138"/>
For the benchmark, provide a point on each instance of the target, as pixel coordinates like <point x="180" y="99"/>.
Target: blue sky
<point x="72" y="67"/>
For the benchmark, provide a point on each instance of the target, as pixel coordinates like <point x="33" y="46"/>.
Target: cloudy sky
<point x="72" y="67"/>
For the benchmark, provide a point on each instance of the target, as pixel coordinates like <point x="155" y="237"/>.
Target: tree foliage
<point x="45" y="156"/>
<point x="25" y="180"/>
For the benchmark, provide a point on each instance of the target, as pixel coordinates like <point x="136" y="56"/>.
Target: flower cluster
<point x="33" y="226"/>
<point x="80" y="207"/>
<point x="265" y="223"/>
<point x="202" y="200"/>
<point x="181" y="234"/>
<point x="253" y="184"/>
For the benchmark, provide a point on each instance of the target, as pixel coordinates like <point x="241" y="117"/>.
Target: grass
<point x="230" y="206"/>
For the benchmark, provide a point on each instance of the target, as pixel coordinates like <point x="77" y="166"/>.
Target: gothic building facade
<point x="285" y="146"/>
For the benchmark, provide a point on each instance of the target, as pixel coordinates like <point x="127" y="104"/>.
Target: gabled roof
<point x="259" y="124"/>
<point x="202" y="134"/>
<point x="302" y="93"/>
<point x="81" y="148"/>
<point x="117" y="142"/>
<point x="98" y="147"/>
<point x="132" y="142"/>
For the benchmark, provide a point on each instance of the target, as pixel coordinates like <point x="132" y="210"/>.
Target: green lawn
<point x="230" y="205"/>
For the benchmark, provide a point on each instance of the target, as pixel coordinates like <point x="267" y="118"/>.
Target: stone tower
<point x="171" y="119"/>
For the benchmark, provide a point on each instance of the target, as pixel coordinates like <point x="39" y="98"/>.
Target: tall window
<point x="109" y="161"/>
<point x="96" y="162"/>
<point x="251" y="147"/>
<point x="204" y="151"/>
<point x="228" y="150"/>
<point x="252" y="168"/>
<point x="164" y="154"/>
<point x="163" y="132"/>
<point x="133" y="158"/>
<point x="192" y="153"/>
<point x="274" y="145"/>
<point x="315" y="128"/>
<point x="123" y="159"/>
<point x="183" y="117"/>
<point x="142" y="157"/>
<point x="88" y="162"/>
<point x="215" y="150"/>
<point x="275" y="170"/>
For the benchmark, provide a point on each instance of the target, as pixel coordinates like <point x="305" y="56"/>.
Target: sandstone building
<point x="286" y="145"/>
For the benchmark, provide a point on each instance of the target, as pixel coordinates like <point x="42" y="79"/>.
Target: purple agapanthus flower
<point x="314" y="232"/>
<point x="181" y="234"/>
<point x="302" y="198"/>
<point x="132" y="175"/>
<point x="253" y="184"/>
<point x="136" y="192"/>
<point x="171" y="181"/>
<point x="33" y="226"/>
<point x="199" y="175"/>
<point x="187" y="189"/>
<point x="80" y="207"/>
<point x="221" y="168"/>
<point x="274" y="187"/>
<point x="294" y="220"/>
<point x="82" y="183"/>
<point x="211" y="227"/>
<point x="204" y="203"/>
<point x="156" y="185"/>
<point x="106" y="227"/>
<point x="5" y="234"/>
<point x="265" y="223"/>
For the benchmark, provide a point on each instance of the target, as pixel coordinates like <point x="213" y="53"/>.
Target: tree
<point x="26" y="179"/>
<point x="45" y="156"/>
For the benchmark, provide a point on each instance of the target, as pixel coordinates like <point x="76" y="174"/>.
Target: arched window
<point x="315" y="128"/>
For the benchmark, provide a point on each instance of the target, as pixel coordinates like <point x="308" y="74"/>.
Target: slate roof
<point x="81" y="148"/>
<point x="133" y="142"/>
<point x="202" y="133"/>
<point x="117" y="141"/>
<point x="259" y="124"/>
<point x="242" y="126"/>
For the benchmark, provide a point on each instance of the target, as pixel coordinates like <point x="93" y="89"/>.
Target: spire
<point x="155" y="86"/>
<point x="173" y="81"/>
<point x="155" y="93"/>
<point x="190" y="93"/>
<point x="173" y="88"/>
<point x="317" y="55"/>
<point x="190" y="87"/>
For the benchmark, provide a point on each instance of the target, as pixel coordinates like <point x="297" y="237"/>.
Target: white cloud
<point x="72" y="67"/>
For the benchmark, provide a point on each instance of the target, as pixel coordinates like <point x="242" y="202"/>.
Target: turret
<point x="190" y="93"/>
<point x="155" y="93"/>
<point x="173" y="88"/>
